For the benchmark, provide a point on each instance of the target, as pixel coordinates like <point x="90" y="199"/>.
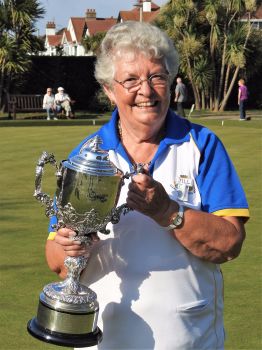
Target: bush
<point x="101" y="102"/>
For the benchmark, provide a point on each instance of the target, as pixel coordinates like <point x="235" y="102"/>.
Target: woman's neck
<point x="141" y="145"/>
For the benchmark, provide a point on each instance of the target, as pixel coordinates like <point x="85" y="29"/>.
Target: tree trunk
<point x="211" y="98"/>
<point x="203" y="101"/>
<point x="196" y="96"/>
<point x="226" y="80"/>
<point x="1" y="89"/>
<point x="213" y="62"/>
<point x="225" y="99"/>
<point x="222" y="72"/>
<point x="195" y="92"/>
<point x="215" y="95"/>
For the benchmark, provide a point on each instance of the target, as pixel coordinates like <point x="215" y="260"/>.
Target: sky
<point x="60" y="11"/>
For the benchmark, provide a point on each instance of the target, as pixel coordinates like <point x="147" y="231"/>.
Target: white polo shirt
<point x="152" y="292"/>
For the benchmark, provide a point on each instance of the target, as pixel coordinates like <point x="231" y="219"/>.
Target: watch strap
<point x="177" y="221"/>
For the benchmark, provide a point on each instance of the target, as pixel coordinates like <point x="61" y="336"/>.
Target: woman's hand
<point x="71" y="245"/>
<point x="62" y="246"/>
<point x="207" y="236"/>
<point x="150" y="198"/>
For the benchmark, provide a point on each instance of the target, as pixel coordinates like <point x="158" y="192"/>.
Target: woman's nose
<point x="145" y="87"/>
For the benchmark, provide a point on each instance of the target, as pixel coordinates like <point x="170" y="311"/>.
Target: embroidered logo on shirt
<point x="183" y="186"/>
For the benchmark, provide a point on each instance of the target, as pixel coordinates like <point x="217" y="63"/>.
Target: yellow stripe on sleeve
<point x="51" y="236"/>
<point x="233" y="212"/>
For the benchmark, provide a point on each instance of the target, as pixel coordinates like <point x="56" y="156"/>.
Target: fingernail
<point x="77" y="242"/>
<point x="72" y="234"/>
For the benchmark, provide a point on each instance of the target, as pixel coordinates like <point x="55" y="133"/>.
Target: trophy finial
<point x="92" y="160"/>
<point x="95" y="143"/>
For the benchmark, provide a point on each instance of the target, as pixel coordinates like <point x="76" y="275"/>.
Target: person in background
<point x="157" y="274"/>
<point x="242" y="99"/>
<point x="49" y="104"/>
<point x="63" y="101"/>
<point x="180" y="97"/>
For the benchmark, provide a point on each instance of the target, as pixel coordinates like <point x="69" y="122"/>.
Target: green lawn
<point x="23" y="230"/>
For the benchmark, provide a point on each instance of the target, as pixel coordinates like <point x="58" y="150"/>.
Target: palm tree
<point x="190" y="48"/>
<point x="215" y="33"/>
<point x="17" y="39"/>
<point x="92" y="43"/>
<point x="203" y="75"/>
<point x="179" y="19"/>
<point x="235" y="58"/>
<point x="232" y="11"/>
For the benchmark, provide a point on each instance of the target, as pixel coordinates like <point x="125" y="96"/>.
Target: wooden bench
<point x="24" y="103"/>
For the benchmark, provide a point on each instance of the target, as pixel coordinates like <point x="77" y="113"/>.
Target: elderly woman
<point x="49" y="103"/>
<point x="157" y="274"/>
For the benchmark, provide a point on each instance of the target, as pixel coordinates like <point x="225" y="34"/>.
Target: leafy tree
<point x="92" y="43"/>
<point x="17" y="39"/>
<point x="101" y="102"/>
<point x="213" y="44"/>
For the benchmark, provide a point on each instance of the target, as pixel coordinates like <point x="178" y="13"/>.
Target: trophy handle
<point x="124" y="208"/>
<point x="38" y="194"/>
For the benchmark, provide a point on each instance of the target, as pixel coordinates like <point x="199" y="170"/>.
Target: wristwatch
<point x="178" y="219"/>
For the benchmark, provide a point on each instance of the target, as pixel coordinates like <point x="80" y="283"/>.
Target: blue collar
<point x="177" y="131"/>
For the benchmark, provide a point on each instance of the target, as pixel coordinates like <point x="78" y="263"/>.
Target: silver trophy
<point x="88" y="187"/>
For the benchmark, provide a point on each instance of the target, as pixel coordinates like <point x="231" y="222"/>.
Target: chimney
<point x="147" y="6"/>
<point x="90" y="14"/>
<point x="50" y="28"/>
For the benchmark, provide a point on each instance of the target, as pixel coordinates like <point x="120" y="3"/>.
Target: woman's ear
<point x="110" y="94"/>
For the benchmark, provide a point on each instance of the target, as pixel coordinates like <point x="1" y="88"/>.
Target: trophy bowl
<point x="88" y="187"/>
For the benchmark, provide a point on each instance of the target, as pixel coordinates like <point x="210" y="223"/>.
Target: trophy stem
<point x="74" y="267"/>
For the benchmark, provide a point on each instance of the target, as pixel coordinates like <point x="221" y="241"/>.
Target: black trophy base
<point x="63" y="339"/>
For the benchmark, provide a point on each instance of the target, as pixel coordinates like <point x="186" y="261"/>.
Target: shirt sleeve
<point x="220" y="187"/>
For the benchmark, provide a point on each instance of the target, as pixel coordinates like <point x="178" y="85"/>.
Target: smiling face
<point x="148" y="105"/>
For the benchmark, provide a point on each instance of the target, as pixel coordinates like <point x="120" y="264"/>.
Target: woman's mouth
<point x="146" y="104"/>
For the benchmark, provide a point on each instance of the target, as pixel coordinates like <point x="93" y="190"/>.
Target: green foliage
<point x="92" y="43"/>
<point x="210" y="29"/>
<point x="235" y="50"/>
<point x="17" y="39"/>
<point x="101" y="102"/>
<point x="12" y="60"/>
<point x="254" y="55"/>
<point x="203" y="73"/>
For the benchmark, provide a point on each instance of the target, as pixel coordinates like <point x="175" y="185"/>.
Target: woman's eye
<point x="131" y="79"/>
<point x="157" y="77"/>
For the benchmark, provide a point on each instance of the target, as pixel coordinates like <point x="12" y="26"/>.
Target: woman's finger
<point x="66" y="232"/>
<point x="66" y="238"/>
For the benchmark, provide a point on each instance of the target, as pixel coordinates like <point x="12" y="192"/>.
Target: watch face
<point x="178" y="220"/>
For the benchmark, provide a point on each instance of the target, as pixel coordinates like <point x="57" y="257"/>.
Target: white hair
<point x="134" y="37"/>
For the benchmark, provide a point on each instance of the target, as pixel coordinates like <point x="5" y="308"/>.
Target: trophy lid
<point x="92" y="160"/>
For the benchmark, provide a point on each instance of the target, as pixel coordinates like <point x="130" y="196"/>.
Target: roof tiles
<point x="54" y="40"/>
